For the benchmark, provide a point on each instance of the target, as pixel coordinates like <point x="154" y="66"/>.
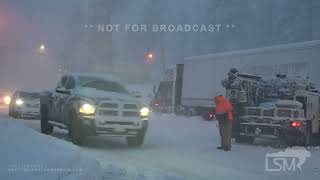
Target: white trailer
<point x="202" y="75"/>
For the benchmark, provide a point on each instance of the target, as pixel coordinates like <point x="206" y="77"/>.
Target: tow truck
<point x="283" y="109"/>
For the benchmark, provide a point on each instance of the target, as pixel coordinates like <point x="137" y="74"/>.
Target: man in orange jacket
<point x="223" y="112"/>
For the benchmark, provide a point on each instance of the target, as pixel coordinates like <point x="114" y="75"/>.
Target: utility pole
<point x="99" y="13"/>
<point x="163" y="52"/>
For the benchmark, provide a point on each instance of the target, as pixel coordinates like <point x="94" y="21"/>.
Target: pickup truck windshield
<point x="27" y="95"/>
<point x="103" y="85"/>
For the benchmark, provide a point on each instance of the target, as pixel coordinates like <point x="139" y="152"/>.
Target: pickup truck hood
<point x="98" y="95"/>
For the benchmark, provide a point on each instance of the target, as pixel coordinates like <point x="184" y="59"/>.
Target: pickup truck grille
<point x="108" y="113"/>
<point x="130" y="114"/>
<point x="113" y="109"/>
<point x="109" y="105"/>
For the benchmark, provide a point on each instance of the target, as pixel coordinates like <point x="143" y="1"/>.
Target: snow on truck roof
<point x="284" y="47"/>
<point x="106" y="77"/>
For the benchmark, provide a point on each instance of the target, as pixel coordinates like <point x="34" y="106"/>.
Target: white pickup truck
<point x="89" y="105"/>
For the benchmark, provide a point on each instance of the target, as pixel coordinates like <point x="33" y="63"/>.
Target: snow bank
<point x="27" y="154"/>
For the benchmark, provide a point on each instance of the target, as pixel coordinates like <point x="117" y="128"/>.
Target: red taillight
<point x="295" y="124"/>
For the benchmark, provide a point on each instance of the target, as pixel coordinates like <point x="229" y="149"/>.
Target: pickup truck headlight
<point x="7" y="100"/>
<point x="87" y="109"/>
<point x="19" y="102"/>
<point x="144" y="112"/>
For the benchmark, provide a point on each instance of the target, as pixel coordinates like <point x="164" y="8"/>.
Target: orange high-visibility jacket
<point x="223" y="106"/>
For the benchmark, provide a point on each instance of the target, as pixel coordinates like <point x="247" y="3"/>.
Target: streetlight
<point x="150" y="57"/>
<point x="42" y="48"/>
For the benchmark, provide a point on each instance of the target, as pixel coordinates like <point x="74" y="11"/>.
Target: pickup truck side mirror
<point x="136" y="94"/>
<point x="62" y="90"/>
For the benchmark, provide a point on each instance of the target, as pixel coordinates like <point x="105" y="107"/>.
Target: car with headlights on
<point x="5" y="98"/>
<point x="91" y="105"/>
<point x="25" y="105"/>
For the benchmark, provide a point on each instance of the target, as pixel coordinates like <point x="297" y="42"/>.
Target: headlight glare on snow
<point x="19" y="102"/>
<point x="87" y="109"/>
<point x="144" y="112"/>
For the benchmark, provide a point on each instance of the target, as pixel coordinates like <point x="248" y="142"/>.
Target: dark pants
<point x="225" y="127"/>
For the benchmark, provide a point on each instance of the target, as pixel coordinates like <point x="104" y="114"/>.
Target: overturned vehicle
<point x="283" y="109"/>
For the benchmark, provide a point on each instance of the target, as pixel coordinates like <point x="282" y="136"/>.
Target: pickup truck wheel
<point x="136" y="141"/>
<point x="10" y="112"/>
<point x="46" y="128"/>
<point x="13" y="113"/>
<point x="75" y="132"/>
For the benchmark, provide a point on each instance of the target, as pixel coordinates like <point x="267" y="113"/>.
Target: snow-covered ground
<point x="26" y="154"/>
<point x="175" y="148"/>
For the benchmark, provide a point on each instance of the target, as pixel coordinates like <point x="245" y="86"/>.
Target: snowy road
<point x="185" y="148"/>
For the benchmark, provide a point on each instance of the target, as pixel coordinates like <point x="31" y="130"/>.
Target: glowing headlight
<point x="19" y="102"/>
<point x="144" y="112"/>
<point x="87" y="109"/>
<point x="7" y="100"/>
